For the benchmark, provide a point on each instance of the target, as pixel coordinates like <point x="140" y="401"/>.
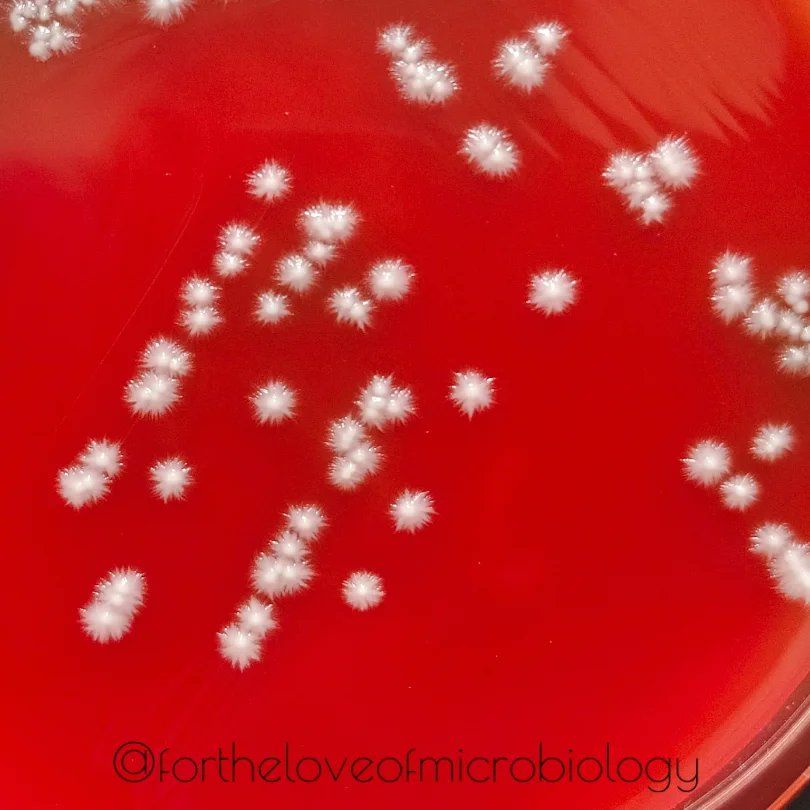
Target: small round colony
<point x="295" y="272"/>
<point x="171" y="477"/>
<point x="165" y="12"/>
<point x="272" y="307"/>
<point x="707" y="463"/>
<point x="771" y="539"/>
<point x="166" y="357"/>
<point x="349" y="306"/>
<point x="740" y="491"/>
<point x="552" y="291"/>
<point x="274" y="402"/>
<point x="412" y="510"/>
<point x="771" y="442"/>
<point x="519" y="63"/>
<point x="239" y="647"/>
<point x="363" y="590"/>
<point x="471" y="391"/>
<point x="152" y="394"/>
<point x="390" y="279"/>
<point x="490" y="151"/>
<point x="270" y="182"/>
<point x="103" y="456"/>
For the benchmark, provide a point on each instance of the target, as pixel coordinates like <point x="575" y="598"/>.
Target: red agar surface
<point x="573" y="588"/>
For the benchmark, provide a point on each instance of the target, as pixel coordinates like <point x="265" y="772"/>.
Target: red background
<point x="573" y="588"/>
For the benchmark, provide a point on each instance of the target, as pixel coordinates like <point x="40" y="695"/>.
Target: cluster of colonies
<point x="519" y="62"/>
<point x="708" y="464"/>
<point x="781" y="317"/>
<point x="646" y="181"/>
<point x="283" y="569"/>
<point x="87" y="480"/>
<point x="50" y="25"/>
<point x="115" y="601"/>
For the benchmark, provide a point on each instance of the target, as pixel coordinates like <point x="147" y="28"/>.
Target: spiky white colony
<point x="199" y="292"/>
<point x="395" y="39"/>
<point x="270" y="182"/>
<point x="306" y="520"/>
<point x="363" y="590"/>
<point x="366" y="456"/>
<point x="320" y="253"/>
<point x="349" y="306"/>
<point x="412" y="510"/>
<point x="794" y="360"/>
<point x="256" y="617"/>
<point x="165" y="12"/>
<point x="295" y="272"/>
<point x="289" y="546"/>
<point x="274" y="402"/>
<point x="795" y="289"/>
<point x="381" y="404"/>
<point x="238" y="238"/>
<point x="80" y="486"/>
<point x="103" y="456"/>
<point x="519" y="63"/>
<point x="116" y="600"/>
<point x="731" y="268"/>
<point x="552" y="291"/>
<point x="345" y="433"/>
<point x="152" y="394"/>
<point x="763" y="318"/>
<point x="274" y="576"/>
<point x="44" y="23"/>
<point x="740" y="491"/>
<point x="346" y="474"/>
<point x="771" y="539"/>
<point x="390" y="279"/>
<point x="654" y="208"/>
<point x="199" y="321"/>
<point x="548" y="37"/>
<point x="426" y="81"/>
<point x="471" y="391"/>
<point x="791" y="572"/>
<point x="171" y="477"/>
<point x="238" y="647"/>
<point x="674" y="162"/>
<point x="329" y="222"/>
<point x="490" y="150"/>
<point x="707" y="462"/>
<point x="228" y="265"/>
<point x="166" y="357"/>
<point x="771" y="442"/>
<point x="732" y="301"/>
<point x="625" y="168"/>
<point x="272" y="307"/>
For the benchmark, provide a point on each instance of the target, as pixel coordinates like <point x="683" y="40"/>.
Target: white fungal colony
<point x="419" y="78"/>
<point x="490" y="150"/>
<point x="171" y="478"/>
<point x="272" y="307"/>
<point x="739" y="491"/>
<point x="772" y="442"/>
<point x="49" y="26"/>
<point x="787" y="558"/>
<point x="363" y="590"/>
<point x="646" y="180"/>
<point x="156" y="390"/>
<point x="411" y="511"/>
<point x="274" y="402"/>
<point x="348" y="305"/>
<point x="552" y="291"/>
<point x="707" y="463"/>
<point x="116" y="600"/>
<point x="282" y="570"/>
<point x="390" y="279"/>
<point x="269" y="182"/>
<point x="88" y="479"/>
<point x="524" y="62"/>
<point x="782" y="318"/>
<point x="471" y="391"/>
